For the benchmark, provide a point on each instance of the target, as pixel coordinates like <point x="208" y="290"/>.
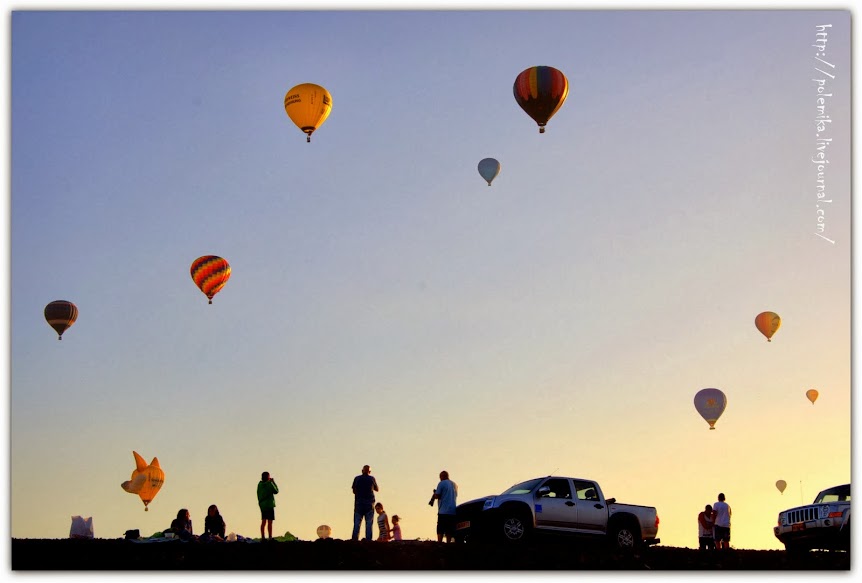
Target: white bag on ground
<point x="81" y="527"/>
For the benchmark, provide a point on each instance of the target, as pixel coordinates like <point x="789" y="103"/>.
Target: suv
<point x="824" y="524"/>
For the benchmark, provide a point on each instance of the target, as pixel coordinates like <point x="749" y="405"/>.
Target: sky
<point x="386" y="306"/>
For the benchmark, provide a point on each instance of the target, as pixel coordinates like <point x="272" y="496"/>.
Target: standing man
<point x="364" y="487"/>
<point x="705" y="526"/>
<point x="266" y="491"/>
<point x="445" y="493"/>
<point x="722" y="523"/>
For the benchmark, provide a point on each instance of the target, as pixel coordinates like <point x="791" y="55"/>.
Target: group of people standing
<point x="713" y="525"/>
<point x="364" y="506"/>
<point x="365" y="485"/>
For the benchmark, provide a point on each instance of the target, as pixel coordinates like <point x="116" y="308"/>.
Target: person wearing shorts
<point x="266" y="491"/>
<point x="722" y="523"/>
<point x="446" y="494"/>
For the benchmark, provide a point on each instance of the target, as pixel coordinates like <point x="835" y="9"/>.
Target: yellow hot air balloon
<point x="781" y="485"/>
<point x="812" y="395"/>
<point x="308" y="105"/>
<point x="146" y="480"/>
<point x="768" y="323"/>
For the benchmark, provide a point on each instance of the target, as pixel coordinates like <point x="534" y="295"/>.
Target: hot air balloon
<point x="488" y="169"/>
<point x="308" y="105"/>
<point x="541" y="91"/>
<point x="146" y="480"/>
<point x="60" y="315"/>
<point x="781" y="485"/>
<point x="210" y="273"/>
<point x="768" y="323"/>
<point x="710" y="403"/>
<point x="323" y="531"/>
<point x="812" y="395"/>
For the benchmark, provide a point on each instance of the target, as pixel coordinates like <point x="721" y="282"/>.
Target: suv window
<point x="586" y="491"/>
<point x="524" y="487"/>
<point x="559" y="488"/>
<point x="837" y="494"/>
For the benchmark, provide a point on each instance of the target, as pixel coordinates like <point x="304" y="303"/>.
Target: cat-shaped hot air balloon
<point x="146" y="479"/>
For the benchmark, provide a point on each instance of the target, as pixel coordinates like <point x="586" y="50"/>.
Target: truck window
<point x="586" y="491"/>
<point x="559" y="488"/>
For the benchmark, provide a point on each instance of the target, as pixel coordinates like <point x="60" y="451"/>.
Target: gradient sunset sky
<point x="387" y="307"/>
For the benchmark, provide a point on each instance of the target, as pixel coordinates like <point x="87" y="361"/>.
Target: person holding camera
<point x="266" y="491"/>
<point x="446" y="494"/>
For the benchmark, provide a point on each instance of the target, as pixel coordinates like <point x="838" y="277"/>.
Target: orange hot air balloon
<point x="210" y="273"/>
<point x="812" y="395"/>
<point x="768" y="324"/>
<point x="781" y="485"/>
<point x="60" y="315"/>
<point x="308" y="105"/>
<point x="324" y="531"/>
<point x="541" y="91"/>
<point x="146" y="480"/>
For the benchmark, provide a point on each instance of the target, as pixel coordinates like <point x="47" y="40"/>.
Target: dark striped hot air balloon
<point x="541" y="91"/>
<point x="61" y="315"/>
<point x="210" y="273"/>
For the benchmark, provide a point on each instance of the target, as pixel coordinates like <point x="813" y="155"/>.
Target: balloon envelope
<point x="488" y="169"/>
<point x="60" y="315"/>
<point x="323" y="531"/>
<point x="146" y="479"/>
<point x="541" y="91"/>
<point x="308" y="105"/>
<point x="812" y="395"/>
<point x="768" y="323"/>
<point x="210" y="273"/>
<point x="781" y="485"/>
<point x="710" y="403"/>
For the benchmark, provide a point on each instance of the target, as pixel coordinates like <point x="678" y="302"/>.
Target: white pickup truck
<point x="823" y="524"/>
<point x="560" y="505"/>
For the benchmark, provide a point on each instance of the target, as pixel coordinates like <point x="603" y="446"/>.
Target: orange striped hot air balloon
<point x="541" y="91"/>
<point x="210" y="273"/>
<point x="768" y="324"/>
<point x="60" y="315"/>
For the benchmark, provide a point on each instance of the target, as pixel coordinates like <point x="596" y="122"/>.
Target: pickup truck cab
<point x="556" y="504"/>
<point x="823" y="524"/>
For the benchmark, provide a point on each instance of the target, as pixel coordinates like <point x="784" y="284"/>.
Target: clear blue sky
<point x="386" y="306"/>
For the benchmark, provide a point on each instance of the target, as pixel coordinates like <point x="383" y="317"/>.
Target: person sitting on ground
<point x="214" y="525"/>
<point x="382" y="522"/>
<point x="396" y="527"/>
<point x="181" y="526"/>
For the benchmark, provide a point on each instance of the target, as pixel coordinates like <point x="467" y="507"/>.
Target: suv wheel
<point x="513" y="527"/>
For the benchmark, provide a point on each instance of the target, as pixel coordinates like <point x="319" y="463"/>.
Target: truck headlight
<point x="489" y="503"/>
<point x="824" y="511"/>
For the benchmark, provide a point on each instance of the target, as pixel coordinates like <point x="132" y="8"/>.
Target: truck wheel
<point x="624" y="537"/>
<point x="513" y="527"/>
